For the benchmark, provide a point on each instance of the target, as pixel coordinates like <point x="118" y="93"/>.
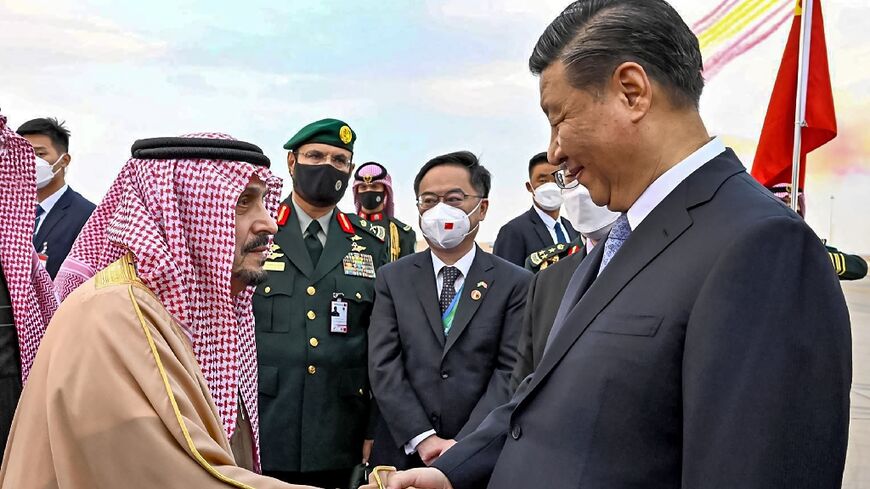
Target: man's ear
<point x="484" y="206"/>
<point x="64" y="161"/>
<point x="291" y="162"/>
<point x="529" y="188"/>
<point x="634" y="89"/>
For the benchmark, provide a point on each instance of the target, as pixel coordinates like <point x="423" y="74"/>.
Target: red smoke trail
<point x="740" y="46"/>
<point x="720" y="9"/>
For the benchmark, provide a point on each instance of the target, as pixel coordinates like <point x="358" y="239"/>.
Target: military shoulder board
<point x="375" y="230"/>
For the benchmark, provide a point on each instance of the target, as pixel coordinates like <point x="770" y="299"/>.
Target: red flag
<point x="773" y="157"/>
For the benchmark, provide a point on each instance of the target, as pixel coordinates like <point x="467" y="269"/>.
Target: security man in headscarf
<point x="373" y="198"/>
<point x="312" y="316"/>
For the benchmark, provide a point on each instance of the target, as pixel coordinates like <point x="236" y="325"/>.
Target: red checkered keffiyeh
<point x="30" y="288"/>
<point x="177" y="217"/>
<point x="373" y="171"/>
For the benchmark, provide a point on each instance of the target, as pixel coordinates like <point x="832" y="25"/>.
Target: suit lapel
<point x="337" y="246"/>
<point x="540" y="227"/>
<point x="55" y="216"/>
<point x="480" y="272"/>
<point x="289" y="238"/>
<point x="427" y="293"/>
<point x="668" y="221"/>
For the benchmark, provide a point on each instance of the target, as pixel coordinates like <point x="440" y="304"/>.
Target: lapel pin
<point x="482" y="284"/>
<point x="475" y="295"/>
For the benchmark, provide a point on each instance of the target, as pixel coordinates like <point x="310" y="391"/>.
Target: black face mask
<point x="370" y="200"/>
<point x="320" y="185"/>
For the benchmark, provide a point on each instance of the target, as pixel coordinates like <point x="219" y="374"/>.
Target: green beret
<point x="326" y="131"/>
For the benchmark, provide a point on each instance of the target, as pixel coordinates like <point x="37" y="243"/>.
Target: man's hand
<point x="431" y="448"/>
<point x="367" y="450"/>
<point x="427" y="478"/>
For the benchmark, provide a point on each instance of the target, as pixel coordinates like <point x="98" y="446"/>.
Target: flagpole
<point x="801" y="102"/>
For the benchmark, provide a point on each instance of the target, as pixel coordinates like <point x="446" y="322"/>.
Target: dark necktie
<point x="39" y="212"/>
<point x="448" y="291"/>
<point x="560" y="235"/>
<point x="312" y="243"/>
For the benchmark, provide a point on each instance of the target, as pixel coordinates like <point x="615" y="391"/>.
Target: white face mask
<point x="549" y="196"/>
<point x="587" y="218"/>
<point x="45" y="171"/>
<point x="446" y="226"/>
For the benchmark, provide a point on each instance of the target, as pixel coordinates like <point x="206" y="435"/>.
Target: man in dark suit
<point x="443" y="334"/>
<point x="675" y="360"/>
<point x="548" y="286"/>
<point x="540" y="226"/>
<point x="61" y="211"/>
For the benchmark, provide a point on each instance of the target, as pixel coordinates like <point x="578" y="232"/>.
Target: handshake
<point x="426" y="478"/>
<point x="430" y="449"/>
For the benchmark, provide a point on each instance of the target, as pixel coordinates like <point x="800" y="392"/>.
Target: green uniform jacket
<point x="399" y="238"/>
<point x="848" y="267"/>
<point x="314" y="391"/>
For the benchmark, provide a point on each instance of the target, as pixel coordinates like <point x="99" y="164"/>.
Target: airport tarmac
<point x="857" y="473"/>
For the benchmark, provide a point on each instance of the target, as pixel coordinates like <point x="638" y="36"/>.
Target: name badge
<point x="338" y="316"/>
<point x="359" y="265"/>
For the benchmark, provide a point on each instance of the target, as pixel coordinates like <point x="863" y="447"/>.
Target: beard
<point x="251" y="275"/>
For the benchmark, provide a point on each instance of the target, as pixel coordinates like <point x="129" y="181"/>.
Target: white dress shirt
<point x="305" y="221"/>
<point x="668" y="181"/>
<point x="47" y="205"/>
<point x="551" y="225"/>
<point x="464" y="265"/>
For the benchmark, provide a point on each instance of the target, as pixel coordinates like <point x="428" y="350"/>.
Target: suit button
<point x="434" y="418"/>
<point x="313" y="342"/>
<point x="267" y="290"/>
<point x="516" y="432"/>
<point x="312" y="369"/>
<point x="311" y="315"/>
<point x="311" y="290"/>
<point x="445" y="374"/>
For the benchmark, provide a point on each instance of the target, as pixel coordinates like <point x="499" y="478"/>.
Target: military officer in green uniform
<point x="312" y="316"/>
<point x="848" y="267"/>
<point x="373" y="198"/>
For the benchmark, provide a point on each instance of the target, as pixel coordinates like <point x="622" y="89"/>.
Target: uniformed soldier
<point x="312" y="316"/>
<point x="373" y="197"/>
<point x="551" y="255"/>
<point x="848" y="267"/>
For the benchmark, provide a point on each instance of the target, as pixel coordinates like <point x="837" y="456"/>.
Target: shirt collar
<point x="548" y="221"/>
<point x="463" y="264"/>
<point x="52" y="199"/>
<point x="305" y="219"/>
<point x="668" y="181"/>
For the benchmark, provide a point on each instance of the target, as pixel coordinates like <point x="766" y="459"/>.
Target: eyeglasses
<point x="562" y="180"/>
<point x="453" y="198"/>
<point x="314" y="157"/>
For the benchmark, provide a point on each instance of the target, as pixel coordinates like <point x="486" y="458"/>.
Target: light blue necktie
<point x="617" y="236"/>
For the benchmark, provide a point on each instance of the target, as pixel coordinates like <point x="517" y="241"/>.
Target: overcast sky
<point x="414" y="79"/>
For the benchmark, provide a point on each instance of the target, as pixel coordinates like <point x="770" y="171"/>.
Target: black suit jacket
<point x="525" y="234"/>
<point x="712" y="352"/>
<point x="61" y="227"/>
<point x="421" y="380"/>
<point x="545" y="294"/>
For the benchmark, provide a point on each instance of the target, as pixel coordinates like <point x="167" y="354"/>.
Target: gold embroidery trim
<point x="121" y="272"/>
<point x="190" y="445"/>
<point x="395" y="249"/>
